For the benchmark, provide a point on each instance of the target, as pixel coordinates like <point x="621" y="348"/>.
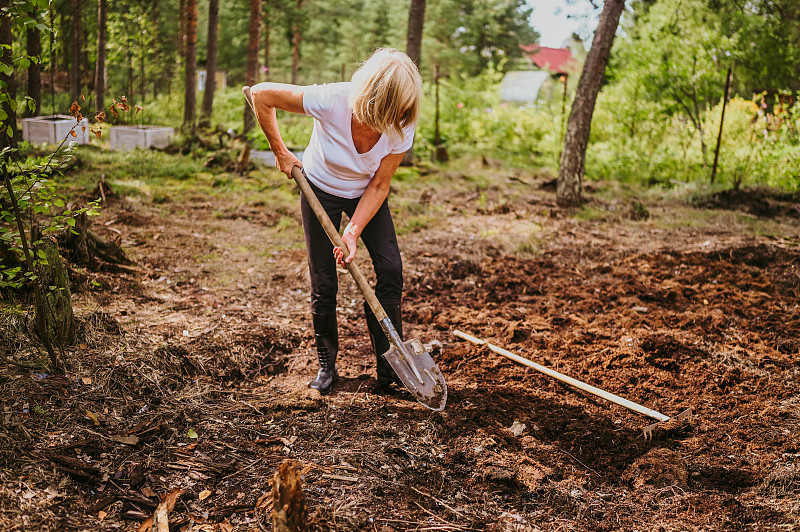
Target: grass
<point x="414" y="224"/>
<point x="159" y="178"/>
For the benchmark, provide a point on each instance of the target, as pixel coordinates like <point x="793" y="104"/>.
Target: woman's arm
<point x="370" y="202"/>
<point x="266" y="98"/>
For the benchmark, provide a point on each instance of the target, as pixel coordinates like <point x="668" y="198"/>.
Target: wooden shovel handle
<point x="300" y="178"/>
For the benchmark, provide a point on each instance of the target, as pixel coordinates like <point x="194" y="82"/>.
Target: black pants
<point x="378" y="237"/>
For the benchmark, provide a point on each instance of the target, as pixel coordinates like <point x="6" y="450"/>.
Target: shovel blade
<point x="424" y="380"/>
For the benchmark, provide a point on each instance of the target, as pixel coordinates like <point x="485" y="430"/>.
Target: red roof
<point x="556" y="60"/>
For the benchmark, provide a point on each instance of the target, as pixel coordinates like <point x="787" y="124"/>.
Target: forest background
<point x="656" y="120"/>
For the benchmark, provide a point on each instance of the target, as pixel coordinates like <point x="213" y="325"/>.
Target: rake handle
<point x="608" y="396"/>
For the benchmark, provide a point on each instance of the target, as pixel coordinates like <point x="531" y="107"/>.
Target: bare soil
<point x="190" y="372"/>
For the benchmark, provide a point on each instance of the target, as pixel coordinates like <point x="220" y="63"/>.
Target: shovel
<point x="410" y="360"/>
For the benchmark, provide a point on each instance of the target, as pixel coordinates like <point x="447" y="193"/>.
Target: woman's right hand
<point x="286" y="161"/>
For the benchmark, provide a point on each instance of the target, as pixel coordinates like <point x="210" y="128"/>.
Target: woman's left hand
<point x="350" y="239"/>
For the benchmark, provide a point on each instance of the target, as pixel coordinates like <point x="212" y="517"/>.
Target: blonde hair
<point x="387" y="90"/>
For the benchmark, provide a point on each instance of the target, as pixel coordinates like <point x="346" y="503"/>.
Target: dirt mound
<point x="759" y="201"/>
<point x="132" y="219"/>
<point x="658" y="468"/>
<point x="782" y="482"/>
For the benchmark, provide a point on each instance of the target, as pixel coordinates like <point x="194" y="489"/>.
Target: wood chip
<point x="127" y="440"/>
<point x="339" y="477"/>
<point x="161" y="517"/>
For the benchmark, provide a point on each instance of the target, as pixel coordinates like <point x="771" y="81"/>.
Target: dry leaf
<point x="86" y="380"/>
<point x="146" y="526"/>
<point x="205" y="494"/>
<point x="101" y="116"/>
<point x="83" y="128"/>
<point x="516" y="428"/>
<point x="96" y="132"/>
<point x="83" y="98"/>
<point x="226" y="527"/>
<point x="139" y="108"/>
<point x="72" y="132"/>
<point x="102" y="515"/>
<point x="91" y="415"/>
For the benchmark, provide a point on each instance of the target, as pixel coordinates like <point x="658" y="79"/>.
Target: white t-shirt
<point x="331" y="161"/>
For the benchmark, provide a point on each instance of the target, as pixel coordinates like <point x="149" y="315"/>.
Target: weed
<point x="414" y="224"/>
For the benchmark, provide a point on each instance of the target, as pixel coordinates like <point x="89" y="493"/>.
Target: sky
<point x="556" y="20"/>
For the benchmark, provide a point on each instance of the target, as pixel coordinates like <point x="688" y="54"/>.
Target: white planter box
<point x="52" y="129"/>
<point x="131" y="137"/>
<point x="267" y="158"/>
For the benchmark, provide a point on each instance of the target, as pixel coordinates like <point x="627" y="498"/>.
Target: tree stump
<point x="55" y="320"/>
<point x="88" y="246"/>
<point x="289" y="512"/>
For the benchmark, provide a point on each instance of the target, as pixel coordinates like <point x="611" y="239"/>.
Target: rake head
<point x="670" y="425"/>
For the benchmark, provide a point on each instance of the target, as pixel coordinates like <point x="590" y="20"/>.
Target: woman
<point x="362" y="128"/>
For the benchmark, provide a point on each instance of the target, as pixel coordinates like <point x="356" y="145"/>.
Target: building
<point x="539" y="68"/>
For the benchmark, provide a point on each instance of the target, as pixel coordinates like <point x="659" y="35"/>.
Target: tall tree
<point x="297" y="32"/>
<point x="573" y="158"/>
<point x="211" y="60"/>
<point x="267" y="27"/>
<point x="416" y="20"/>
<point x="180" y="44"/>
<point x="34" y="50"/>
<point x="190" y="92"/>
<point x="251" y="69"/>
<point x="100" y="63"/>
<point x="155" y="55"/>
<point x="76" y="50"/>
<point x="7" y="80"/>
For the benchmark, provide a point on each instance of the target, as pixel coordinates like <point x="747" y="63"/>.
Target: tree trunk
<point x="34" y="47"/>
<point x="156" y="67"/>
<point x="179" y="45"/>
<point x="142" y="80"/>
<point x="251" y="71"/>
<point x="296" y="36"/>
<point x="65" y="39"/>
<point x="416" y="20"/>
<point x="53" y="61"/>
<point x="190" y="101"/>
<point x="55" y="320"/>
<point x="75" y="55"/>
<point x="211" y="62"/>
<point x="267" y="26"/>
<point x="573" y="158"/>
<point x="439" y="149"/>
<point x="181" y="29"/>
<point x="100" y="64"/>
<point x="721" y="122"/>
<point x="9" y="127"/>
<point x="129" y="92"/>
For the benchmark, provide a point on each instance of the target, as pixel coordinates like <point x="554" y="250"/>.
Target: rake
<point x="664" y="423"/>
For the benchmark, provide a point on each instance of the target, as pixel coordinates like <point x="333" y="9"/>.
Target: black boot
<point x="380" y="344"/>
<point x="326" y="336"/>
